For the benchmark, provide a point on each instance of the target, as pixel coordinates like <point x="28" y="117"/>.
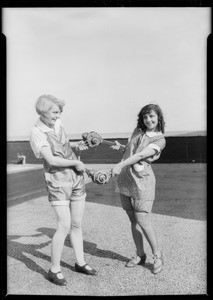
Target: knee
<point x="76" y="224"/>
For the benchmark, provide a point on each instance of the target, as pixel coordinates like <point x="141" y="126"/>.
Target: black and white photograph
<point x="106" y="117"/>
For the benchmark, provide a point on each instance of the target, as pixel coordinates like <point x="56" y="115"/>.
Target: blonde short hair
<point x="45" y="102"/>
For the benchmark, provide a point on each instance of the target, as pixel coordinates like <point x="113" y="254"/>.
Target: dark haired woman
<point x="136" y="181"/>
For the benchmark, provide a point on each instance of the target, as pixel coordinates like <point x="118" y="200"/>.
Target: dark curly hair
<point x="146" y="110"/>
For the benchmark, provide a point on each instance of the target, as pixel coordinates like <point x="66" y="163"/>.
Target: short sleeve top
<point x="140" y="185"/>
<point x="38" y="136"/>
<point x="140" y="140"/>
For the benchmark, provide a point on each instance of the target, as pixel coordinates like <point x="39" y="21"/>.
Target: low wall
<point x="178" y="149"/>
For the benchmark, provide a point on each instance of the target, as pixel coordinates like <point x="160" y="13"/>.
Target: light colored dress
<point x="138" y="181"/>
<point x="63" y="183"/>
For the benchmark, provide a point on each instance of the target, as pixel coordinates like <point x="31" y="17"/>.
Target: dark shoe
<point x="54" y="278"/>
<point x="83" y="269"/>
<point x="138" y="260"/>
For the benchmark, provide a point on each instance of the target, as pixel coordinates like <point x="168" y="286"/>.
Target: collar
<point x="44" y="128"/>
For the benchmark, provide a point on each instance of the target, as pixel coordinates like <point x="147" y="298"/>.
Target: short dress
<point x="137" y="188"/>
<point x="62" y="183"/>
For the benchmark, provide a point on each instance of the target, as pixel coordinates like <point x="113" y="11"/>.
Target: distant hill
<point x="117" y="135"/>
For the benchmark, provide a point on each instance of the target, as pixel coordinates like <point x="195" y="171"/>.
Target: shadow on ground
<point x="21" y="252"/>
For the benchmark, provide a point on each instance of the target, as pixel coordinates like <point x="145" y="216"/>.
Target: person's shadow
<point x="19" y="251"/>
<point x="90" y="248"/>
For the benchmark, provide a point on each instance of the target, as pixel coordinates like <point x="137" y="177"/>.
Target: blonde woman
<point x="63" y="175"/>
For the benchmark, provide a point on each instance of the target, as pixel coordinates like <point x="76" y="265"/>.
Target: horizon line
<point x="118" y="135"/>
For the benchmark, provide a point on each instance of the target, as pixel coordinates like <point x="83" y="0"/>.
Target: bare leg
<point x="76" y="235"/>
<point x="144" y="220"/>
<point x="136" y="233"/>
<point x="62" y="214"/>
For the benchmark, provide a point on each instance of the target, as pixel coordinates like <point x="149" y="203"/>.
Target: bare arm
<point x="153" y="158"/>
<point x="143" y="155"/>
<point x="118" y="146"/>
<point x="61" y="162"/>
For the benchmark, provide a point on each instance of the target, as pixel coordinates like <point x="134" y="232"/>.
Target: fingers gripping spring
<point x="92" y="139"/>
<point x="99" y="176"/>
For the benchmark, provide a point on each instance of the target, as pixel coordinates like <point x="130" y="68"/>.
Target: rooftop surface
<point x="179" y="217"/>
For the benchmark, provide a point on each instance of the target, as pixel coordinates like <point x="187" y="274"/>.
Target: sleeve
<point x="158" y="144"/>
<point x="38" y="140"/>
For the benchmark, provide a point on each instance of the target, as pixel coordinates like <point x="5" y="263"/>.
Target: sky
<point x="107" y="63"/>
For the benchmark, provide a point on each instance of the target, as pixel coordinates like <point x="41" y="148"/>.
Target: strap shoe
<point x="54" y="278"/>
<point x="138" y="260"/>
<point x="158" y="263"/>
<point x="84" y="269"/>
